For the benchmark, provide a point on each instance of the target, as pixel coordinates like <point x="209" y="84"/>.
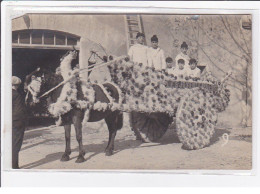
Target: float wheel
<point x="149" y="127"/>
<point x="195" y="120"/>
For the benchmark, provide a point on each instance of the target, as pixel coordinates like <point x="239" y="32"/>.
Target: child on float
<point x="183" y="55"/>
<point x="193" y="72"/>
<point x="169" y="65"/>
<point x="180" y="72"/>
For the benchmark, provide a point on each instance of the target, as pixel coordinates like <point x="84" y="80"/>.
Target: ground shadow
<point x="246" y="138"/>
<point x="35" y="144"/>
<point x="95" y="148"/>
<point x="120" y="145"/>
<point x="169" y="137"/>
<point x="49" y="158"/>
<point x="36" y="133"/>
<point x="217" y="135"/>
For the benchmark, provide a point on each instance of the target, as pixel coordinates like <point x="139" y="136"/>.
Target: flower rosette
<point x="222" y="99"/>
<point x="196" y="119"/>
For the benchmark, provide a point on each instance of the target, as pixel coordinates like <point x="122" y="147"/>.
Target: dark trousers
<point x="17" y="140"/>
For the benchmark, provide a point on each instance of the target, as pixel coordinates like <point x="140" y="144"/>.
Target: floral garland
<point x="145" y="90"/>
<point x="120" y="100"/>
<point x="67" y="97"/>
<point x="69" y="91"/>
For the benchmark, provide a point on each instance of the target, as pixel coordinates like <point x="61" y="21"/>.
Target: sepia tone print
<point x="132" y="92"/>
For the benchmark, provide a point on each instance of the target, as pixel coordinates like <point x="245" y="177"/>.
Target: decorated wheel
<point x="149" y="127"/>
<point x="196" y="119"/>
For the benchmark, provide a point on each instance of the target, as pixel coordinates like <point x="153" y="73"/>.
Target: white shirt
<point x="156" y="58"/>
<point x="180" y="73"/>
<point x="170" y="71"/>
<point x="186" y="59"/>
<point x="138" y="54"/>
<point x="193" y="72"/>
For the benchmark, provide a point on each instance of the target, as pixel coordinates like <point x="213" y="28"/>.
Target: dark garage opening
<point x="25" y="61"/>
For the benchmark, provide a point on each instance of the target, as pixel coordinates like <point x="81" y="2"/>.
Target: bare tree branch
<point x="231" y="35"/>
<point x="221" y="46"/>
<point x="241" y="32"/>
<point x="234" y="79"/>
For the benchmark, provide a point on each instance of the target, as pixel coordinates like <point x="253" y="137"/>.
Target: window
<point x="49" y="38"/>
<point x="60" y="39"/>
<point x="43" y="37"/>
<point x="14" y="38"/>
<point x="24" y="38"/>
<point x="71" y="41"/>
<point x="36" y="38"/>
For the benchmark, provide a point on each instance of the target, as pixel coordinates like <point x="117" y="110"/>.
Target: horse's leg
<point x="78" y="128"/>
<point x="65" y="156"/>
<point x="109" y="139"/>
<point x="110" y="146"/>
<point x="113" y="122"/>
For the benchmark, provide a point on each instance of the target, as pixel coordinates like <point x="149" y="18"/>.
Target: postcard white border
<point x="122" y="178"/>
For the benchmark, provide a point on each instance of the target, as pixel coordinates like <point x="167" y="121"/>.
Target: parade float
<point x="154" y="100"/>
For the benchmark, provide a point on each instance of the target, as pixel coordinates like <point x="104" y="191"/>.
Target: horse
<point x="113" y="118"/>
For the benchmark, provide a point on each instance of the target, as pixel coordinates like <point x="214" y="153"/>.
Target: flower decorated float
<point x="155" y="98"/>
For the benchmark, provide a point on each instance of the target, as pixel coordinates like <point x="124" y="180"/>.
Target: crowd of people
<point x="154" y="57"/>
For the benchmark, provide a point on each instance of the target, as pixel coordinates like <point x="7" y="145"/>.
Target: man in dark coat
<point x="19" y="118"/>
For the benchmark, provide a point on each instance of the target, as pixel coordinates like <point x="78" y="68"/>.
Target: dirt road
<point x="43" y="147"/>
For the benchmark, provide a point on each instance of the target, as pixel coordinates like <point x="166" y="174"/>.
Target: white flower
<point x="97" y="106"/>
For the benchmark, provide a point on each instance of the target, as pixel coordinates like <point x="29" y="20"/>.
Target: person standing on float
<point x="156" y="57"/>
<point x="138" y="52"/>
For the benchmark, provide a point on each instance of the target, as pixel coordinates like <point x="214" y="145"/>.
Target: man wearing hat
<point x="19" y="117"/>
<point x="156" y="57"/>
<point x="138" y="52"/>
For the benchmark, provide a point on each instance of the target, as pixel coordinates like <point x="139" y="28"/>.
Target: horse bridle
<point x="31" y="90"/>
<point x="94" y="53"/>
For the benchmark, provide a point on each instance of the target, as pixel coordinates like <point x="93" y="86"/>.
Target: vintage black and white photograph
<point x="132" y="91"/>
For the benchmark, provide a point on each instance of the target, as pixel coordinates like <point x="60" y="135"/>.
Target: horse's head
<point x="34" y="89"/>
<point x="70" y="55"/>
<point x="36" y="97"/>
<point x="73" y="54"/>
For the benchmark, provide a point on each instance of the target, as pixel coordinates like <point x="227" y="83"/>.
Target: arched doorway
<point x="40" y="48"/>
